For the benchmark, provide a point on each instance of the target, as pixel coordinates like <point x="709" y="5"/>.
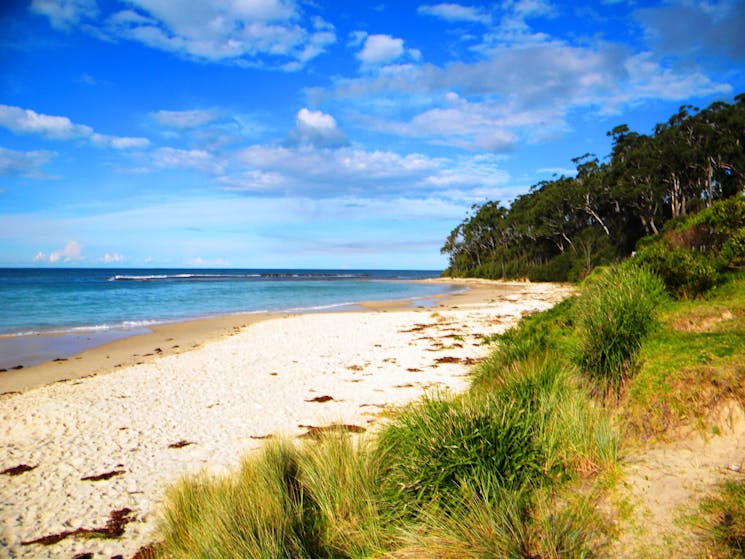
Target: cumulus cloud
<point x="72" y="252"/>
<point x="24" y="163"/>
<point x="26" y="121"/>
<point x="269" y="33"/>
<point x="455" y="12"/>
<point x="380" y="49"/>
<point x="511" y="94"/>
<point x="316" y="128"/>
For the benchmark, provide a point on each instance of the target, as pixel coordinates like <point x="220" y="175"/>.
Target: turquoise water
<point x="111" y="303"/>
<point x="61" y="300"/>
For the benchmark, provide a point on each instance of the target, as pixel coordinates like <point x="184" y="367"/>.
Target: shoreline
<point x="83" y="449"/>
<point x="144" y="344"/>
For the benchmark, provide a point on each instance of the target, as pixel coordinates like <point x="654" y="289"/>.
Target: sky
<point x="320" y="133"/>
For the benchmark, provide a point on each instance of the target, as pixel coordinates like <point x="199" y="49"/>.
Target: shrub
<point x="686" y="273"/>
<point x="614" y="314"/>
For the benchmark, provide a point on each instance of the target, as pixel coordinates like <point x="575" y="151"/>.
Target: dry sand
<point x="210" y="395"/>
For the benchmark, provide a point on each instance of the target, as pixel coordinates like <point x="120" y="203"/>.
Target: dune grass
<point x="493" y="472"/>
<point x="615" y="313"/>
<point x="480" y="466"/>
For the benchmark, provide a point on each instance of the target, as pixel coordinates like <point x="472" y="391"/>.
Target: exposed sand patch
<point x="664" y="484"/>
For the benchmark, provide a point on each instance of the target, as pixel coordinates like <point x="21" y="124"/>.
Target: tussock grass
<point x="615" y="313"/>
<point x="342" y="477"/>
<point x="550" y="330"/>
<point x="259" y="512"/>
<point x="497" y="522"/>
<point x="465" y="470"/>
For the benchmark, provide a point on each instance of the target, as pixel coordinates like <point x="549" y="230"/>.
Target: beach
<point x="97" y="438"/>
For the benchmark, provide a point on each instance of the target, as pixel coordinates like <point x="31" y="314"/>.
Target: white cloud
<point x="185" y="119"/>
<point x="24" y="163"/>
<point x="380" y="49"/>
<point x="319" y="173"/>
<point x="316" y="128"/>
<point x="186" y="159"/>
<point x="112" y="258"/>
<point x="26" y="121"/>
<point x="514" y="94"/>
<point x="73" y="252"/>
<point x="455" y="12"/>
<point x="64" y="14"/>
<point x="246" y="32"/>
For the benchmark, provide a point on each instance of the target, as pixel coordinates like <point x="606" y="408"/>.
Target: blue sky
<point x="319" y="133"/>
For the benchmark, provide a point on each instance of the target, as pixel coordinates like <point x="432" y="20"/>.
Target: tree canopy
<point x="564" y="227"/>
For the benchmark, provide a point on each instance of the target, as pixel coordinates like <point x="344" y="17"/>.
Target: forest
<point x="562" y="228"/>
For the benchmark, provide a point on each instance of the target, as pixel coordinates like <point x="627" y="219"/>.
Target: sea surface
<point x="43" y="309"/>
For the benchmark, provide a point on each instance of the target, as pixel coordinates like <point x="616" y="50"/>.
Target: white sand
<point x="220" y="397"/>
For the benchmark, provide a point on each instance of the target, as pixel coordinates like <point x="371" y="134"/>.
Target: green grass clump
<point x="533" y="427"/>
<point x="614" y="315"/>
<point x="259" y="513"/>
<point x="497" y="522"/>
<point x="439" y="444"/>
<point x="550" y="330"/>
<point x="318" y="500"/>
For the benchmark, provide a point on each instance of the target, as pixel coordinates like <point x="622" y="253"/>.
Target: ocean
<point x="44" y="307"/>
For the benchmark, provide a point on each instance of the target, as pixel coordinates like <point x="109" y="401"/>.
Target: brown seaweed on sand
<point x="17" y="470"/>
<point x="114" y="528"/>
<point x="180" y="444"/>
<point x="321" y="399"/>
<point x="104" y="476"/>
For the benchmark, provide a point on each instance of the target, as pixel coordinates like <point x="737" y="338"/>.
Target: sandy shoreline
<point x="213" y="398"/>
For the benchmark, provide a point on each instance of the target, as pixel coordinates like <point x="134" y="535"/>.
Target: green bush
<point x="692" y="254"/>
<point x="686" y="273"/>
<point x="614" y="313"/>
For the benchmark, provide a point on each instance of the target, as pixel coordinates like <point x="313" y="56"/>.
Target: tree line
<point x="564" y="227"/>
